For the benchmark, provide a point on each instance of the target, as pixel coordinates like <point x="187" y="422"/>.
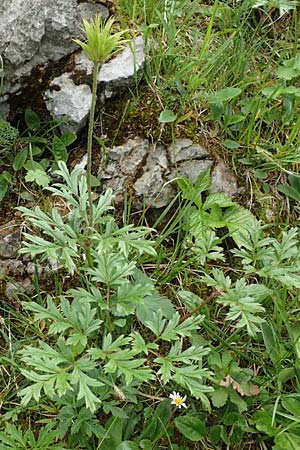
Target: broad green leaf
<point x="292" y="405"/>
<point x="114" y="433"/>
<point x="32" y="120"/>
<point x="288" y="440"/>
<point x="32" y="165"/>
<point x="59" y="149"/>
<point x="289" y="191"/>
<point x="236" y="118"/>
<point x="35" y="150"/>
<point x="155" y="426"/>
<point x="167" y="116"/>
<point x="237" y="400"/>
<point x="191" y="427"/>
<point x="219" y="397"/>
<point x="68" y="138"/>
<point x="35" y="139"/>
<point x="218" y="433"/>
<point x="290" y="69"/>
<point x="25" y="195"/>
<point x="231" y="144"/>
<point x="128" y="296"/>
<point x="20" y="159"/>
<point x="151" y="305"/>
<point x="190" y="300"/>
<point x="219" y="199"/>
<point x="3" y="187"/>
<point x="38" y="176"/>
<point x="286" y="374"/>
<point x="224" y="95"/>
<point x="216" y="111"/>
<point x="128" y="445"/>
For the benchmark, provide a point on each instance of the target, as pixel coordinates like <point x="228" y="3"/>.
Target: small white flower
<point x="178" y="400"/>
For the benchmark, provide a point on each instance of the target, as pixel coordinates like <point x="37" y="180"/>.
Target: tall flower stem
<point x="90" y="142"/>
<point x="101" y="43"/>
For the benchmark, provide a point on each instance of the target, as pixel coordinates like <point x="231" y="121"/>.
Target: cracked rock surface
<point x="32" y="32"/>
<point x="147" y="170"/>
<point x="69" y="102"/>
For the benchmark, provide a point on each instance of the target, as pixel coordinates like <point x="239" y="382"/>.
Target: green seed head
<point x="101" y="43"/>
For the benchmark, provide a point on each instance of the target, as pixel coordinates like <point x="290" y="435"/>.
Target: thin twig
<point x="211" y="297"/>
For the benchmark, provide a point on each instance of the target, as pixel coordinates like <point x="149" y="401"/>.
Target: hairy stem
<point x="89" y="161"/>
<point x="90" y="141"/>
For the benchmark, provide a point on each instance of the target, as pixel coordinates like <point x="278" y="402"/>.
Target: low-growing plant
<point x="15" y="439"/>
<point x="35" y="151"/>
<point x="97" y="356"/>
<point x="113" y="342"/>
<point x="284" y="6"/>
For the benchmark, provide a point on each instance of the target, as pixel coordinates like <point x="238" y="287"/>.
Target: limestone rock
<point x="69" y="102"/>
<point x="152" y="190"/>
<point x="10" y="238"/>
<point x="32" y="32"/>
<point x="73" y="101"/>
<point x="148" y="170"/>
<point x="185" y="150"/>
<point x="19" y="287"/>
<point x="119" y="74"/>
<point x="157" y="156"/>
<point x="125" y="160"/>
<point x="191" y="169"/>
<point x="123" y="164"/>
<point x="11" y="267"/>
<point x="223" y="180"/>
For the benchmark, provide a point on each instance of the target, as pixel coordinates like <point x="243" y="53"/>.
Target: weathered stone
<point x="11" y="267"/>
<point x="70" y="103"/>
<point x="123" y="164"/>
<point x="89" y="10"/>
<point x="223" y="180"/>
<point x="114" y="78"/>
<point x="10" y="238"/>
<point x="149" y="169"/>
<point x="126" y="159"/>
<point x="157" y="156"/>
<point x="19" y="287"/>
<point x="32" y="32"/>
<point x="191" y="169"/>
<point x="117" y="75"/>
<point x="185" y="150"/>
<point x="43" y="272"/>
<point x="83" y="64"/>
<point x="151" y="188"/>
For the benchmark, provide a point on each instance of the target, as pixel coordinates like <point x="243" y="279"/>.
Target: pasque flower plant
<point x="100" y="44"/>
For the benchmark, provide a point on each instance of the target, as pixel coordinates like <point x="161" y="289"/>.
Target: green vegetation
<point x="184" y="335"/>
<point x="40" y="148"/>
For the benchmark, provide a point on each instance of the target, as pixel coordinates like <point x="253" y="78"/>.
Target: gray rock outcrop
<point x="68" y="102"/>
<point x="71" y="102"/>
<point x="149" y="171"/>
<point x="32" y="32"/>
<point x="16" y="272"/>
